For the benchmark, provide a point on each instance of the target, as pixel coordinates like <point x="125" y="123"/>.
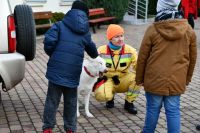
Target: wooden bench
<point x="100" y="17"/>
<point x="43" y="16"/>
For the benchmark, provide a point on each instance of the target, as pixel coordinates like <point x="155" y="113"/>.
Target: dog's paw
<point x="89" y="114"/>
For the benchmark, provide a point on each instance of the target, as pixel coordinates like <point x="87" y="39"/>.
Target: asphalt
<point x="22" y="107"/>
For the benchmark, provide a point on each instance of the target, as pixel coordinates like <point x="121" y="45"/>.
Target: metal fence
<point x="137" y="11"/>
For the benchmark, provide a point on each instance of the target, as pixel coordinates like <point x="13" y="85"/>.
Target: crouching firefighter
<point x="121" y="63"/>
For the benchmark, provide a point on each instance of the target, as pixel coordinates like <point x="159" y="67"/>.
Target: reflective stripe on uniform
<point x="126" y="56"/>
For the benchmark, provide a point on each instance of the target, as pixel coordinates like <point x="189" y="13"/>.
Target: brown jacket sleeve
<point x="143" y="56"/>
<point x="193" y="57"/>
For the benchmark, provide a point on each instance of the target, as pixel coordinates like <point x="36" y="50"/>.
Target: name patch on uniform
<point x="122" y="64"/>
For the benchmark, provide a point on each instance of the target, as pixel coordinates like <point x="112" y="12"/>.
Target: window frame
<point x="67" y="0"/>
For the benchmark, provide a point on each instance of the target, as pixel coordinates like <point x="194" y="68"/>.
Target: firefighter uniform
<point x="121" y="66"/>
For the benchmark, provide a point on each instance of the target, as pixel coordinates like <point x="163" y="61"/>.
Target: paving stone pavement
<point x="22" y="107"/>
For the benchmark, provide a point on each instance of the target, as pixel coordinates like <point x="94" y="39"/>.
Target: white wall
<point x="49" y="5"/>
<point x="13" y="3"/>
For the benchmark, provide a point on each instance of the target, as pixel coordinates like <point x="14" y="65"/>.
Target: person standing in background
<point x="190" y="10"/>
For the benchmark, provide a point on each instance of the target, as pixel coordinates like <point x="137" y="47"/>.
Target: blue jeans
<point x="54" y="94"/>
<point x="172" y="111"/>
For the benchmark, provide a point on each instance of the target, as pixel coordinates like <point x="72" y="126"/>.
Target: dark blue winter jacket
<point x="65" y="43"/>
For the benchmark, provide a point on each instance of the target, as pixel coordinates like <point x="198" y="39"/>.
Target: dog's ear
<point x="86" y="57"/>
<point x="100" y="60"/>
<point x="90" y="59"/>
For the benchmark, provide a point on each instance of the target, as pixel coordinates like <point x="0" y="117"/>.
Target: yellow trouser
<point x="127" y="84"/>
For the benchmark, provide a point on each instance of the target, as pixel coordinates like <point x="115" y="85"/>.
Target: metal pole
<point x="146" y="11"/>
<point x="136" y="8"/>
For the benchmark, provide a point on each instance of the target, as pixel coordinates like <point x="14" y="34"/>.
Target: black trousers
<point x="191" y="20"/>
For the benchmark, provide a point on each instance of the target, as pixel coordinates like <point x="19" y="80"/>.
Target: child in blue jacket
<point x="65" y="43"/>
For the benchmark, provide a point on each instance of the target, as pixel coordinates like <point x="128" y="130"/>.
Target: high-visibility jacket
<point x="120" y="61"/>
<point x="190" y="7"/>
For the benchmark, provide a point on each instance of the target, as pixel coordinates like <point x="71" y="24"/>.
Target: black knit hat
<point x="78" y="4"/>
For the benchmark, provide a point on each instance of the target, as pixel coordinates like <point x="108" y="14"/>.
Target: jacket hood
<point x="172" y="29"/>
<point x="77" y="21"/>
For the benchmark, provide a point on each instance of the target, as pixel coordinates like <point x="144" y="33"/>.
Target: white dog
<point x="91" y="70"/>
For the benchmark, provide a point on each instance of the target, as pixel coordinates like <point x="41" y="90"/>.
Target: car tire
<point x="0" y="99"/>
<point x="25" y="31"/>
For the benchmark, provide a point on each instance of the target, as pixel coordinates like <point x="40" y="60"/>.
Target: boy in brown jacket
<point x="165" y="64"/>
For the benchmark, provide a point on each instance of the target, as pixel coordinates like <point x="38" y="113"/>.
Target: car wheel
<point x="25" y="31"/>
<point x="0" y="99"/>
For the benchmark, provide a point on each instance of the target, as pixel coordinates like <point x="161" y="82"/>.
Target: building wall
<point x="46" y="5"/>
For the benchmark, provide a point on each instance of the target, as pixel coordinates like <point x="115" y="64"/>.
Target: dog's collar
<point x="86" y="70"/>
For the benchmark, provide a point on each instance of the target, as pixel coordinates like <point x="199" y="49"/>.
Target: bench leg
<point x="98" y="26"/>
<point x="93" y="28"/>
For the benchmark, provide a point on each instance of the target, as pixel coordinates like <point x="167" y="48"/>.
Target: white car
<point x="17" y="42"/>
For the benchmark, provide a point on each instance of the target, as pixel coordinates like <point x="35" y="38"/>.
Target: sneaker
<point x="198" y="127"/>
<point x="47" y="130"/>
<point x="130" y="108"/>
<point x="110" y="104"/>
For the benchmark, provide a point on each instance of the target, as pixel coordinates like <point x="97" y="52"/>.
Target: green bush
<point x="115" y="8"/>
<point x="94" y="3"/>
<point x="152" y="7"/>
<point x="41" y="21"/>
<point x="57" y="16"/>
